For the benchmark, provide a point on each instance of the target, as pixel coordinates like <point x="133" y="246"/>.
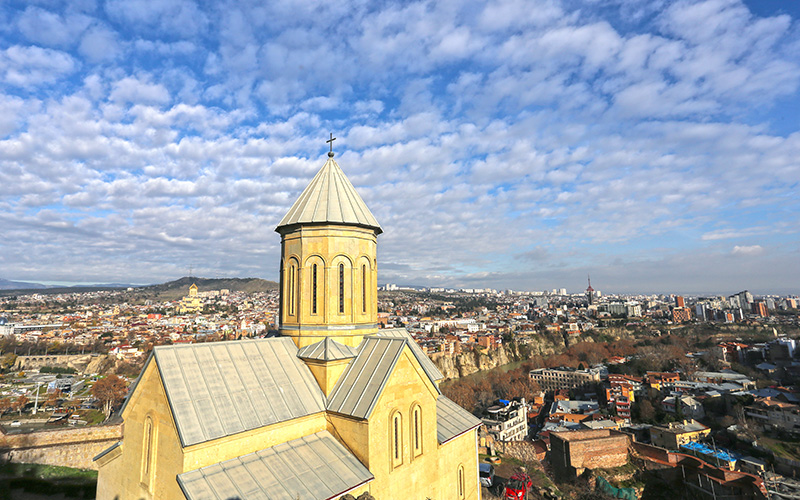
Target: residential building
<point x="674" y="434"/>
<point x="507" y="421"/>
<point x="550" y="379"/>
<point x="771" y="413"/>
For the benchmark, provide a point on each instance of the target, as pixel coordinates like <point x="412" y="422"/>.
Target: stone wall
<point x="525" y="451"/>
<point x="573" y="452"/>
<point x="77" y="361"/>
<point x="71" y="447"/>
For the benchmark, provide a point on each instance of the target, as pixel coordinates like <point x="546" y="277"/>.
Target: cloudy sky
<point x="511" y="144"/>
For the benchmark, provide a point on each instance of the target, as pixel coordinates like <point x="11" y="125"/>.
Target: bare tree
<point x="109" y="391"/>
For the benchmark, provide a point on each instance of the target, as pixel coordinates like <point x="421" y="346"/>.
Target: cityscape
<point x="703" y="383"/>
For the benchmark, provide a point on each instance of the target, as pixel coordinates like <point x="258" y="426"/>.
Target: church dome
<point x="330" y="198"/>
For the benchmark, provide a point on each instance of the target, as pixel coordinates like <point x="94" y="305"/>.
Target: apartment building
<point x="507" y="421"/>
<point x="551" y="379"/>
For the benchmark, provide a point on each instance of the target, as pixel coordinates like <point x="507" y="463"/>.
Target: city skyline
<point x="498" y="144"/>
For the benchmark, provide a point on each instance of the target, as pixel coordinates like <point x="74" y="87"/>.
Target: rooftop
<point x="330" y="198"/>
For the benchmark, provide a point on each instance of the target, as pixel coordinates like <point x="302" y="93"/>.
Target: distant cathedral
<point x="332" y="406"/>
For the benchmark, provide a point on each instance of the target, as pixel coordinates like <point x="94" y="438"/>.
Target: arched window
<point x="291" y="290"/>
<point x="363" y="288"/>
<point x="397" y="439"/>
<point x="460" y="484"/>
<point x="148" y="452"/>
<point x="341" y="288"/>
<point x="416" y="430"/>
<point x="314" y="289"/>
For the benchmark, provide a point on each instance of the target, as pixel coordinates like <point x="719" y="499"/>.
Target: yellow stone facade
<point x="190" y="303"/>
<point x="329" y="281"/>
<point x="397" y="442"/>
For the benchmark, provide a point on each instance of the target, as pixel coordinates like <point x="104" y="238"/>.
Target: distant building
<point x="191" y="303"/>
<point x="772" y="413"/>
<point x="760" y="309"/>
<point x="679" y="302"/>
<point x="571" y="453"/>
<point x="674" y="434"/>
<point x="681" y="314"/>
<point x="590" y="292"/>
<point x="550" y="379"/>
<point x="507" y="421"/>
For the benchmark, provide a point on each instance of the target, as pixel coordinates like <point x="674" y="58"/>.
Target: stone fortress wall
<point x="71" y="447"/>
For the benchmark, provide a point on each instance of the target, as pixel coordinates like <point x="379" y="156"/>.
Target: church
<point x="332" y="406"/>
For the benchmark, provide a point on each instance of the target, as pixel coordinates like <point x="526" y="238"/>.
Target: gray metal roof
<point x="107" y="451"/>
<point x="327" y="350"/>
<point x="357" y="390"/>
<point x="422" y="358"/>
<point x="311" y="467"/>
<point x="222" y="388"/>
<point x="452" y="420"/>
<point x="330" y="198"/>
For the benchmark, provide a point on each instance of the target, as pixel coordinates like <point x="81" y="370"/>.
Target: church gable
<point x="221" y="389"/>
<point x="424" y="361"/>
<point x="363" y="382"/>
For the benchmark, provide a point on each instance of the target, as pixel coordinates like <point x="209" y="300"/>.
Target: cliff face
<point x="469" y="362"/>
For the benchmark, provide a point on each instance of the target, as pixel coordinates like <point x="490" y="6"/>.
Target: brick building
<point x="571" y="453"/>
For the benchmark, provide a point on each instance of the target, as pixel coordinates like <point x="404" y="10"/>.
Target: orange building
<point x="681" y="314"/>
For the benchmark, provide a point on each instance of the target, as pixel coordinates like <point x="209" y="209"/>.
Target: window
<point x="148" y="452"/>
<point x="314" y="289"/>
<point x="363" y="288"/>
<point x="460" y="485"/>
<point x="397" y="439"/>
<point x="291" y="290"/>
<point x="341" y="288"/>
<point x="416" y="430"/>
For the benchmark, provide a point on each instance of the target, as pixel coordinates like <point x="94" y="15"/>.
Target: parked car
<point x="15" y="423"/>
<point x="487" y="475"/>
<point x="518" y="486"/>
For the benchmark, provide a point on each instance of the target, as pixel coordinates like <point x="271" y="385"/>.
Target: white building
<point x="507" y="421"/>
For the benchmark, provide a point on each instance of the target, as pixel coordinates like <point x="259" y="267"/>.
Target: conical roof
<point x="330" y="198"/>
<point x="327" y="350"/>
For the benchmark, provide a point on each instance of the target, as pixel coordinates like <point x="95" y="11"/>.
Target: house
<point x="772" y="413"/>
<point x="675" y="434"/>
<point x="508" y="420"/>
<point x="331" y="406"/>
<point x="689" y="406"/>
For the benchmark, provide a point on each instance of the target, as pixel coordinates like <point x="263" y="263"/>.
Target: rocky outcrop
<point x="466" y="363"/>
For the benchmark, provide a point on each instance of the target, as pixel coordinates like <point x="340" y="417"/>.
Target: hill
<point x="19" y="285"/>
<point x="174" y="290"/>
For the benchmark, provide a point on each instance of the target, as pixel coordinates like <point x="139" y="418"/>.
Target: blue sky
<point x="512" y="144"/>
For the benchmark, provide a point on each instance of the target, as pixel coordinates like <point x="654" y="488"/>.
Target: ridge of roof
<point x="330" y="198"/>
<point x="430" y="368"/>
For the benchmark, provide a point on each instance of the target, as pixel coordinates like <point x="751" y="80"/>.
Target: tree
<point x="19" y="404"/>
<point x="5" y="405"/>
<point x="110" y="391"/>
<point x="646" y="411"/>
<point x="52" y="398"/>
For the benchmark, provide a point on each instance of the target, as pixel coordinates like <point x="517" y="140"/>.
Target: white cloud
<point x="750" y="250"/>
<point x="49" y="28"/>
<point x="31" y="66"/>
<point x="99" y="44"/>
<point x="136" y="91"/>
